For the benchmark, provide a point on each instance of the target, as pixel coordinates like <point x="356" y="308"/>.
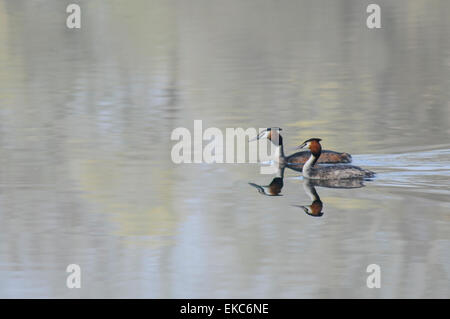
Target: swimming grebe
<point x="329" y="172"/>
<point x="298" y="159"/>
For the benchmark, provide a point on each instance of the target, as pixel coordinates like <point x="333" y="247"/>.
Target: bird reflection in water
<point x="274" y="188"/>
<point x="309" y="185"/>
<point x="315" y="209"/>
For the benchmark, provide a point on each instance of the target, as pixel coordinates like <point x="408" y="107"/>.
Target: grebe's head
<point x="313" y="144"/>
<point x="271" y="133"/>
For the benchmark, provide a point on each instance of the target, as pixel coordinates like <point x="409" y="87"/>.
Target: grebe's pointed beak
<point x="302" y="146"/>
<point x="265" y="133"/>
<point x="305" y="208"/>
<point x="260" y="135"/>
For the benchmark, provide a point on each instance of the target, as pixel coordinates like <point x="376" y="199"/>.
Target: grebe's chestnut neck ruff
<point x="316" y="149"/>
<point x="328" y="172"/>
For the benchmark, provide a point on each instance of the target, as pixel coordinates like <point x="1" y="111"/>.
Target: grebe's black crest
<point x="314" y="139"/>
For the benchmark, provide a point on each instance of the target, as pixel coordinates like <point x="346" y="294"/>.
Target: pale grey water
<point x="85" y="169"/>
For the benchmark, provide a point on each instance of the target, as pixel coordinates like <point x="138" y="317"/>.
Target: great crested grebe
<point x="329" y="172"/>
<point x="300" y="158"/>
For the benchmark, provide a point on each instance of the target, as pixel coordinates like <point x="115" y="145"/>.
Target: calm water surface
<point x="85" y="169"/>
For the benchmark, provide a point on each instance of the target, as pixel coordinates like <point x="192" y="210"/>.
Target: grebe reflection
<point x="309" y="185"/>
<point x="274" y="188"/>
<point x="315" y="209"/>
